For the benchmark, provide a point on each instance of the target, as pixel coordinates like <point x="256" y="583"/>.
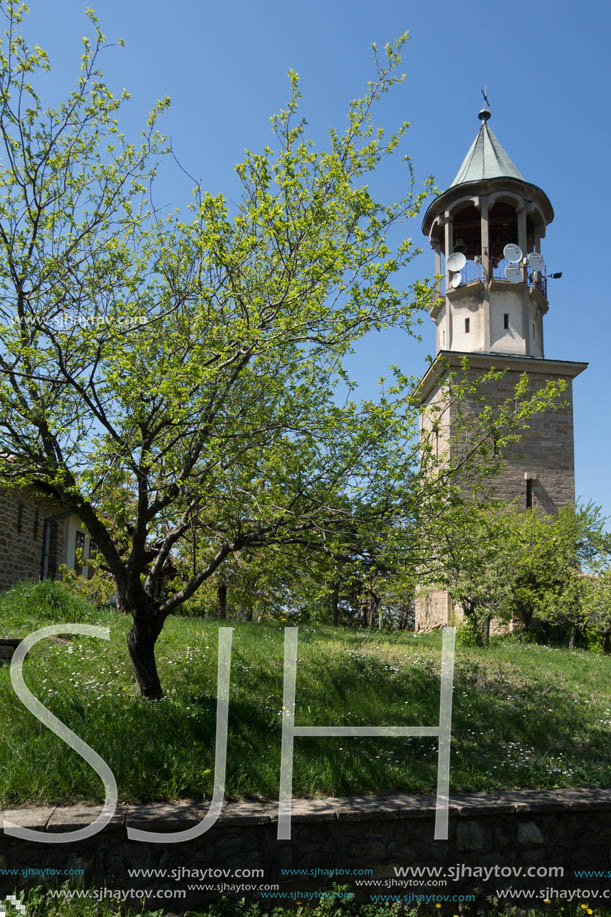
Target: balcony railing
<point x="472" y="272"/>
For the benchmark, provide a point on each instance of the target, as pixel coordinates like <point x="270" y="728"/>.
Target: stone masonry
<point x="545" y="451"/>
<point x="509" y="834"/>
<point x="22" y="517"/>
<point x="538" y="471"/>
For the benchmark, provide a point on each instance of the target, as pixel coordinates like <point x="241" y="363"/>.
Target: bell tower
<point x="486" y="231"/>
<point x="487" y="227"/>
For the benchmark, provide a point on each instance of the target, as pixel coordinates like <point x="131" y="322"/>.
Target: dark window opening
<point x="79" y="552"/>
<point x="53" y="562"/>
<point x="529" y="494"/>
<point x="36" y="515"/>
<point x="93" y="550"/>
<point x="467" y="325"/>
<point x="506" y="321"/>
<point x="19" y="518"/>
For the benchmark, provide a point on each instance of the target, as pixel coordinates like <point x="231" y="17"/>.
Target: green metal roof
<point x="486" y="159"/>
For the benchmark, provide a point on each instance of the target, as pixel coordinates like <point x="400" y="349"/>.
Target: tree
<point x="552" y="554"/>
<point x="470" y="554"/>
<point x="596" y="604"/>
<point x="165" y="376"/>
<point x="500" y="562"/>
<point x="172" y="379"/>
<point x="347" y="573"/>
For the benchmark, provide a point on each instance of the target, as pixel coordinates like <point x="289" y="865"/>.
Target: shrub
<point x="45" y="602"/>
<point x="469" y="633"/>
<point x="99" y="589"/>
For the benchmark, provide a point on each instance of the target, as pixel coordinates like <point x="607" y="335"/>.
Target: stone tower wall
<point x="545" y="453"/>
<point x="433" y="609"/>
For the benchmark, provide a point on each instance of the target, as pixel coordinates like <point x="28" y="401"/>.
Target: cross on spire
<point x="484" y="114"/>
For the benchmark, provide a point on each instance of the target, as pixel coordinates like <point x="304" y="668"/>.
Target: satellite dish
<point x="512" y="252"/>
<point x="456" y="262"/>
<point x="536" y="262"/>
<point x="456" y="280"/>
<point x="513" y="273"/>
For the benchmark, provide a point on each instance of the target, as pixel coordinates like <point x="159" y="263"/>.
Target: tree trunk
<point x="222" y="597"/>
<point x="375" y="607"/>
<point x="141" y="645"/>
<point x="526" y="618"/>
<point x="334" y="606"/>
<point x="607" y="641"/>
<point x="486" y="630"/>
<point x="573" y="636"/>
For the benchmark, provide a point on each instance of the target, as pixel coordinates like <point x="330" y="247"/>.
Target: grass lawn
<point x="524" y="715"/>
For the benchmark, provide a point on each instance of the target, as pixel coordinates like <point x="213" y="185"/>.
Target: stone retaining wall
<point x="561" y="828"/>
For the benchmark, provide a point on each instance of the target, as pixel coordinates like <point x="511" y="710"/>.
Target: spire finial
<point x="484" y="114"/>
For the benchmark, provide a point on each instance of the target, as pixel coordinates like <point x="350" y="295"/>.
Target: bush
<point x="33" y="605"/>
<point x="469" y="632"/>
<point x="99" y="589"/>
<point x="594" y="638"/>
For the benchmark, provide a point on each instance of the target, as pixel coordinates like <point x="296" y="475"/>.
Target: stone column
<point x="486" y="272"/>
<point x="449" y="248"/>
<point x="522" y="235"/>
<point x="523" y="243"/>
<point x="448" y="227"/>
<point x="440" y="325"/>
<point x="538" y="249"/>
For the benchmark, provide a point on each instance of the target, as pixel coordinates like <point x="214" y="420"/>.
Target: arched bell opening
<point x="467" y="233"/>
<point x="502" y="229"/>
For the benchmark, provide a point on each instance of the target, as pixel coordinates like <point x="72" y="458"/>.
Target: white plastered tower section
<point x="486" y="231"/>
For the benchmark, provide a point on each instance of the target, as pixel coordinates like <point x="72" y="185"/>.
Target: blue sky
<point x="547" y="68"/>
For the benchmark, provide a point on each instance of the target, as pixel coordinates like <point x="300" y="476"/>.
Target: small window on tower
<point x="506" y="321"/>
<point x="467" y="325"/>
<point x="529" y="493"/>
<point x="534" y="331"/>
